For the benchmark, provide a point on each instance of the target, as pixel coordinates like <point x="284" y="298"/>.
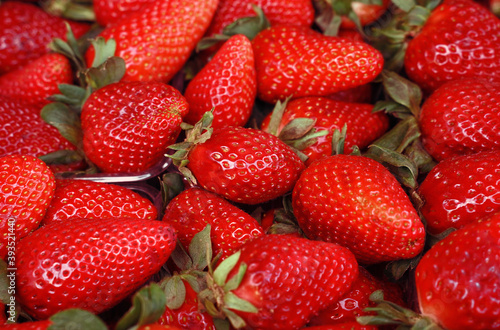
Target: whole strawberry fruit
<point x="287" y="280"/>
<point x="111" y="11"/>
<point x="90" y="264"/>
<point x="127" y="126"/>
<point x="457" y="280"/>
<point x="27" y="188"/>
<point x="461" y="117"/>
<point x="461" y="190"/>
<point x="356" y="202"/>
<point x="298" y="61"/>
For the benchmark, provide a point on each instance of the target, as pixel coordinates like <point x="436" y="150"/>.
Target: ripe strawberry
<point x="343" y="326"/>
<point x="297" y="61"/>
<point x="70" y="318"/>
<point x="35" y="325"/>
<point x="276" y="265"/>
<point x="25" y="32"/>
<point x="23" y="131"/>
<point x="227" y="84"/>
<point x="37" y="80"/>
<point x="461" y="190"/>
<point x="244" y="165"/>
<point x="292" y="12"/>
<point x="157" y="40"/>
<point x="356" y="202"/>
<point x="90" y="264"/>
<point x="127" y="126"/>
<point x="461" y="117"/>
<point x="363" y="126"/>
<point x="366" y="13"/>
<point x="88" y="199"/>
<point x="112" y="11"/>
<point x="456" y="41"/>
<point x="194" y="208"/>
<point x="359" y="94"/>
<point x="457" y="279"/>
<point x="27" y="187"/>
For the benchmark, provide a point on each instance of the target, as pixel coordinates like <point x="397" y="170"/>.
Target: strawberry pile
<point x="235" y="164"/>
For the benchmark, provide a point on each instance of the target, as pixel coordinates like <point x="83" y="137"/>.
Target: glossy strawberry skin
<point x="367" y="13"/>
<point x="293" y="12"/>
<point x="344" y="326"/>
<point x="455" y="42"/>
<point x="35" y="325"/>
<point x="457" y="279"/>
<point x="297" y="61"/>
<point x="127" y="126"/>
<point x="88" y="199"/>
<point x="461" y="117"/>
<point x="22" y="130"/>
<point x="37" y="80"/>
<point x="91" y="264"/>
<point x="461" y="190"/>
<point x="363" y="126"/>
<point x="25" y="32"/>
<point x="245" y="165"/>
<point x="27" y="188"/>
<point x="157" y="41"/>
<point x="278" y="265"/>
<point x="356" y="202"/>
<point x="112" y="11"/>
<point x="227" y="84"/>
<point x="194" y="208"/>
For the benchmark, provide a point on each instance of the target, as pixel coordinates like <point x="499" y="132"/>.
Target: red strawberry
<point x="112" y="11"/>
<point x="27" y="187"/>
<point x="157" y="40"/>
<point x="22" y="130"/>
<point x="360" y="94"/>
<point x="457" y="280"/>
<point x="352" y="304"/>
<point x="461" y="190"/>
<point x="461" y="117"/>
<point x="343" y="326"/>
<point x="363" y="126"/>
<point x="88" y="199"/>
<point x="37" y="80"/>
<point x="458" y="40"/>
<point x="356" y="202"/>
<point x="366" y="13"/>
<point x="292" y="12"/>
<point x="90" y="264"/>
<point x="276" y="265"/>
<point x="297" y="61"/>
<point x="244" y="165"/>
<point x="25" y="32"/>
<point x="70" y="318"/>
<point x="194" y="208"/>
<point x="35" y="325"/>
<point x="127" y="126"/>
<point x="227" y="84"/>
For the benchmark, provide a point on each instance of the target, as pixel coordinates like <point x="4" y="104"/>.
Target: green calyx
<point x="77" y="10"/>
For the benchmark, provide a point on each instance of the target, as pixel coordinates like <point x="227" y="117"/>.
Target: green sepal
<point x="74" y="318"/>
<point x="221" y="324"/>
<point x="420" y="157"/>
<point x="64" y="156"/>
<point x="109" y="72"/>
<point x="148" y="305"/>
<point x="394" y="108"/>
<point x="296" y="128"/>
<point x="224" y="268"/>
<point x="104" y="49"/>
<point x="73" y="10"/>
<point x="418" y="15"/>
<point x="248" y="26"/>
<point x="65" y="120"/>
<point x="236" y="321"/>
<point x="338" y="140"/>
<point x="195" y="279"/>
<point x="71" y="95"/>
<point x="398" y="268"/>
<point x="171" y="185"/>
<point x="181" y="258"/>
<point x="402" y="91"/>
<point x="235" y="281"/>
<point x="276" y="116"/>
<point x="69" y="48"/>
<point x="234" y="302"/>
<point x="175" y="291"/>
<point x="208" y="42"/>
<point x="200" y="248"/>
<point x="405" y="5"/>
<point x="431" y="240"/>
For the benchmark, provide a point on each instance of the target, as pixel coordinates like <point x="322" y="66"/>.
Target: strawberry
<point x="363" y="125"/>
<point x="156" y="41"/>
<point x="70" y="318"/>
<point x="79" y="266"/>
<point x="194" y="208"/>
<point x="227" y="84"/>
<point x="360" y="94"/>
<point x="293" y="12"/>
<point x="37" y="80"/>
<point x="88" y="199"/>
<point x="297" y="61"/>
<point x="343" y="326"/>
<point x="457" y="40"/>
<point x="25" y="32"/>
<point x="356" y="202"/>
<point x="243" y="165"/>
<point x="112" y="11"/>
<point x="27" y="188"/>
<point x="461" y="190"/>
<point x="35" y="325"/>
<point x="266" y="273"/>
<point x="457" y="279"/>
<point x="366" y="13"/>
<point x="127" y="126"/>
<point x="461" y="117"/>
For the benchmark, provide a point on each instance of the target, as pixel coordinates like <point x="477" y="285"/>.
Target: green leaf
<point x="234" y="302"/>
<point x="235" y="281"/>
<point x="236" y="321"/>
<point x="397" y="269"/>
<point x="71" y="94"/>
<point x="200" y="248"/>
<point x="221" y="324"/>
<point x="332" y="29"/>
<point x="64" y="156"/>
<point x="148" y="305"/>
<point x="406" y="170"/>
<point x="297" y="128"/>
<point x="111" y="71"/>
<point x="181" y="258"/>
<point x="402" y="91"/>
<point x="225" y="267"/>
<point x="276" y="116"/>
<point x="418" y="15"/>
<point x="405" y="5"/>
<point x="103" y="50"/>
<point x="208" y="42"/>
<point x="248" y="26"/>
<point x="76" y="319"/>
<point x="338" y="140"/>
<point x="65" y="120"/>
<point x="175" y="291"/>
<point x="171" y="186"/>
